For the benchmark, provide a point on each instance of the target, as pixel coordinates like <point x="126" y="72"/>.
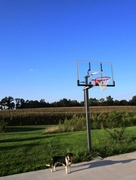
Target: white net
<point x="102" y="82"/>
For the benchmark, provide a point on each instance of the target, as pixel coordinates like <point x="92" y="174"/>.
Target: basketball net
<point x="102" y="82"/>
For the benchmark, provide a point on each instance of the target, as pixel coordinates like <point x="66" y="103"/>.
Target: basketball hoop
<point x="102" y="82"/>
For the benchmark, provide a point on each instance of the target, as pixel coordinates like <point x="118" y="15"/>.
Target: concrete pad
<point x="122" y="167"/>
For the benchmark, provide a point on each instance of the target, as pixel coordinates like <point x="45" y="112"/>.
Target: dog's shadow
<point x="100" y="163"/>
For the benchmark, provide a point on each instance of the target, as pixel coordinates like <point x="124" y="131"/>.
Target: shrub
<point x="118" y="134"/>
<point x="3" y="125"/>
<point x="76" y="123"/>
<point x="116" y="143"/>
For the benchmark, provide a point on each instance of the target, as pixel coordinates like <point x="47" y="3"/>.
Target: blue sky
<point x="41" y="40"/>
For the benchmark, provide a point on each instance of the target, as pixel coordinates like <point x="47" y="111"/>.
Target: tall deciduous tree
<point x="8" y="102"/>
<point x="110" y="101"/>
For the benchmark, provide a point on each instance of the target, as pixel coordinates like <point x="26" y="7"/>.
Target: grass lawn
<point x="29" y="148"/>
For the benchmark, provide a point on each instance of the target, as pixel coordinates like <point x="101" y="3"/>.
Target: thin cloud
<point x="33" y="70"/>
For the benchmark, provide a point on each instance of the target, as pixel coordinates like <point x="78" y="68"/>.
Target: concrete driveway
<point x="122" y="167"/>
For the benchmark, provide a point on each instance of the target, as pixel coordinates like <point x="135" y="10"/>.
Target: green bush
<point x="3" y="125"/>
<point x="76" y="123"/>
<point x="98" y="121"/>
<point x="117" y="142"/>
<point x="112" y="119"/>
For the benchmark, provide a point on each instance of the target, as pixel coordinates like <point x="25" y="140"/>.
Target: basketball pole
<point x="87" y="85"/>
<point x="88" y="123"/>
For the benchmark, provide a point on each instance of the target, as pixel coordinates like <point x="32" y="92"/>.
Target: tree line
<point x="19" y="103"/>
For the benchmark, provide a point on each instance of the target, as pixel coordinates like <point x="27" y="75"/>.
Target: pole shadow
<point x="95" y="164"/>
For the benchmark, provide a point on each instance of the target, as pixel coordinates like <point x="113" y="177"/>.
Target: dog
<point x="65" y="161"/>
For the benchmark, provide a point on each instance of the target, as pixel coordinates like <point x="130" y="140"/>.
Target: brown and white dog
<point x="65" y="161"/>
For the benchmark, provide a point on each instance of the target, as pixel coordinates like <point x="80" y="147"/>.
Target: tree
<point x="110" y="101"/>
<point x="133" y="101"/>
<point x="3" y="103"/>
<point x="42" y="103"/>
<point x="20" y="103"/>
<point x="8" y="102"/>
<point x="74" y="103"/>
<point x="102" y="101"/>
<point x="93" y="102"/>
<point x="32" y="104"/>
<point x="116" y="102"/>
<point x="123" y="102"/>
<point x="64" y="102"/>
<point x="23" y="103"/>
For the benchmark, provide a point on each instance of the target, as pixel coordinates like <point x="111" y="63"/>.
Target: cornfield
<point x="46" y="116"/>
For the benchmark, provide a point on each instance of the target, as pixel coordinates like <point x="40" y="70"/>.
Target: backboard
<point x="89" y="72"/>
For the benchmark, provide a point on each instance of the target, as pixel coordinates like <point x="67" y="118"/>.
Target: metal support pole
<point x="88" y="124"/>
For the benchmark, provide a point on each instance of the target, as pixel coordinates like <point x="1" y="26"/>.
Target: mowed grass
<point x="30" y="148"/>
<point x="25" y="149"/>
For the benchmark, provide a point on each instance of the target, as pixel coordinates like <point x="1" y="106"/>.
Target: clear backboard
<point x="92" y="73"/>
